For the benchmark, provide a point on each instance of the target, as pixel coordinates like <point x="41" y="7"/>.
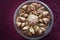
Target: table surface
<point x="7" y="9"/>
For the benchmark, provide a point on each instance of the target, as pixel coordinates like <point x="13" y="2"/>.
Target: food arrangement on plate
<point x="33" y="19"/>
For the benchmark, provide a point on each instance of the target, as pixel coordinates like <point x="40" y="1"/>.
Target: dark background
<point x="7" y="9"/>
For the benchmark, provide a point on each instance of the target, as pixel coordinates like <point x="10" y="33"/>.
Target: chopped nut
<point x="32" y="7"/>
<point x="36" y="28"/>
<point x="28" y="8"/>
<point x="17" y="19"/>
<point x="22" y="18"/>
<point x="40" y="31"/>
<point x="46" y="20"/>
<point x="22" y="14"/>
<point x="24" y="7"/>
<point x="25" y="15"/>
<point x="42" y="28"/>
<point x="40" y="16"/>
<point x="45" y="13"/>
<point x="26" y="23"/>
<point x="27" y="33"/>
<point x="35" y="12"/>
<point x="40" y="20"/>
<point x="21" y="11"/>
<point x="41" y="24"/>
<point x="39" y="11"/>
<point x="31" y="29"/>
<point x="23" y="24"/>
<point x="18" y="24"/>
<point x="42" y="8"/>
<point x="26" y="28"/>
<point x="38" y="6"/>
<point x="34" y="4"/>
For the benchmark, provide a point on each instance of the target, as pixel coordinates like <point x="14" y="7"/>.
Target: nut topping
<point x="33" y="19"/>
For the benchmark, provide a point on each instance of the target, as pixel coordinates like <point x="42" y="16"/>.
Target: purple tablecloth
<point x="7" y="9"/>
